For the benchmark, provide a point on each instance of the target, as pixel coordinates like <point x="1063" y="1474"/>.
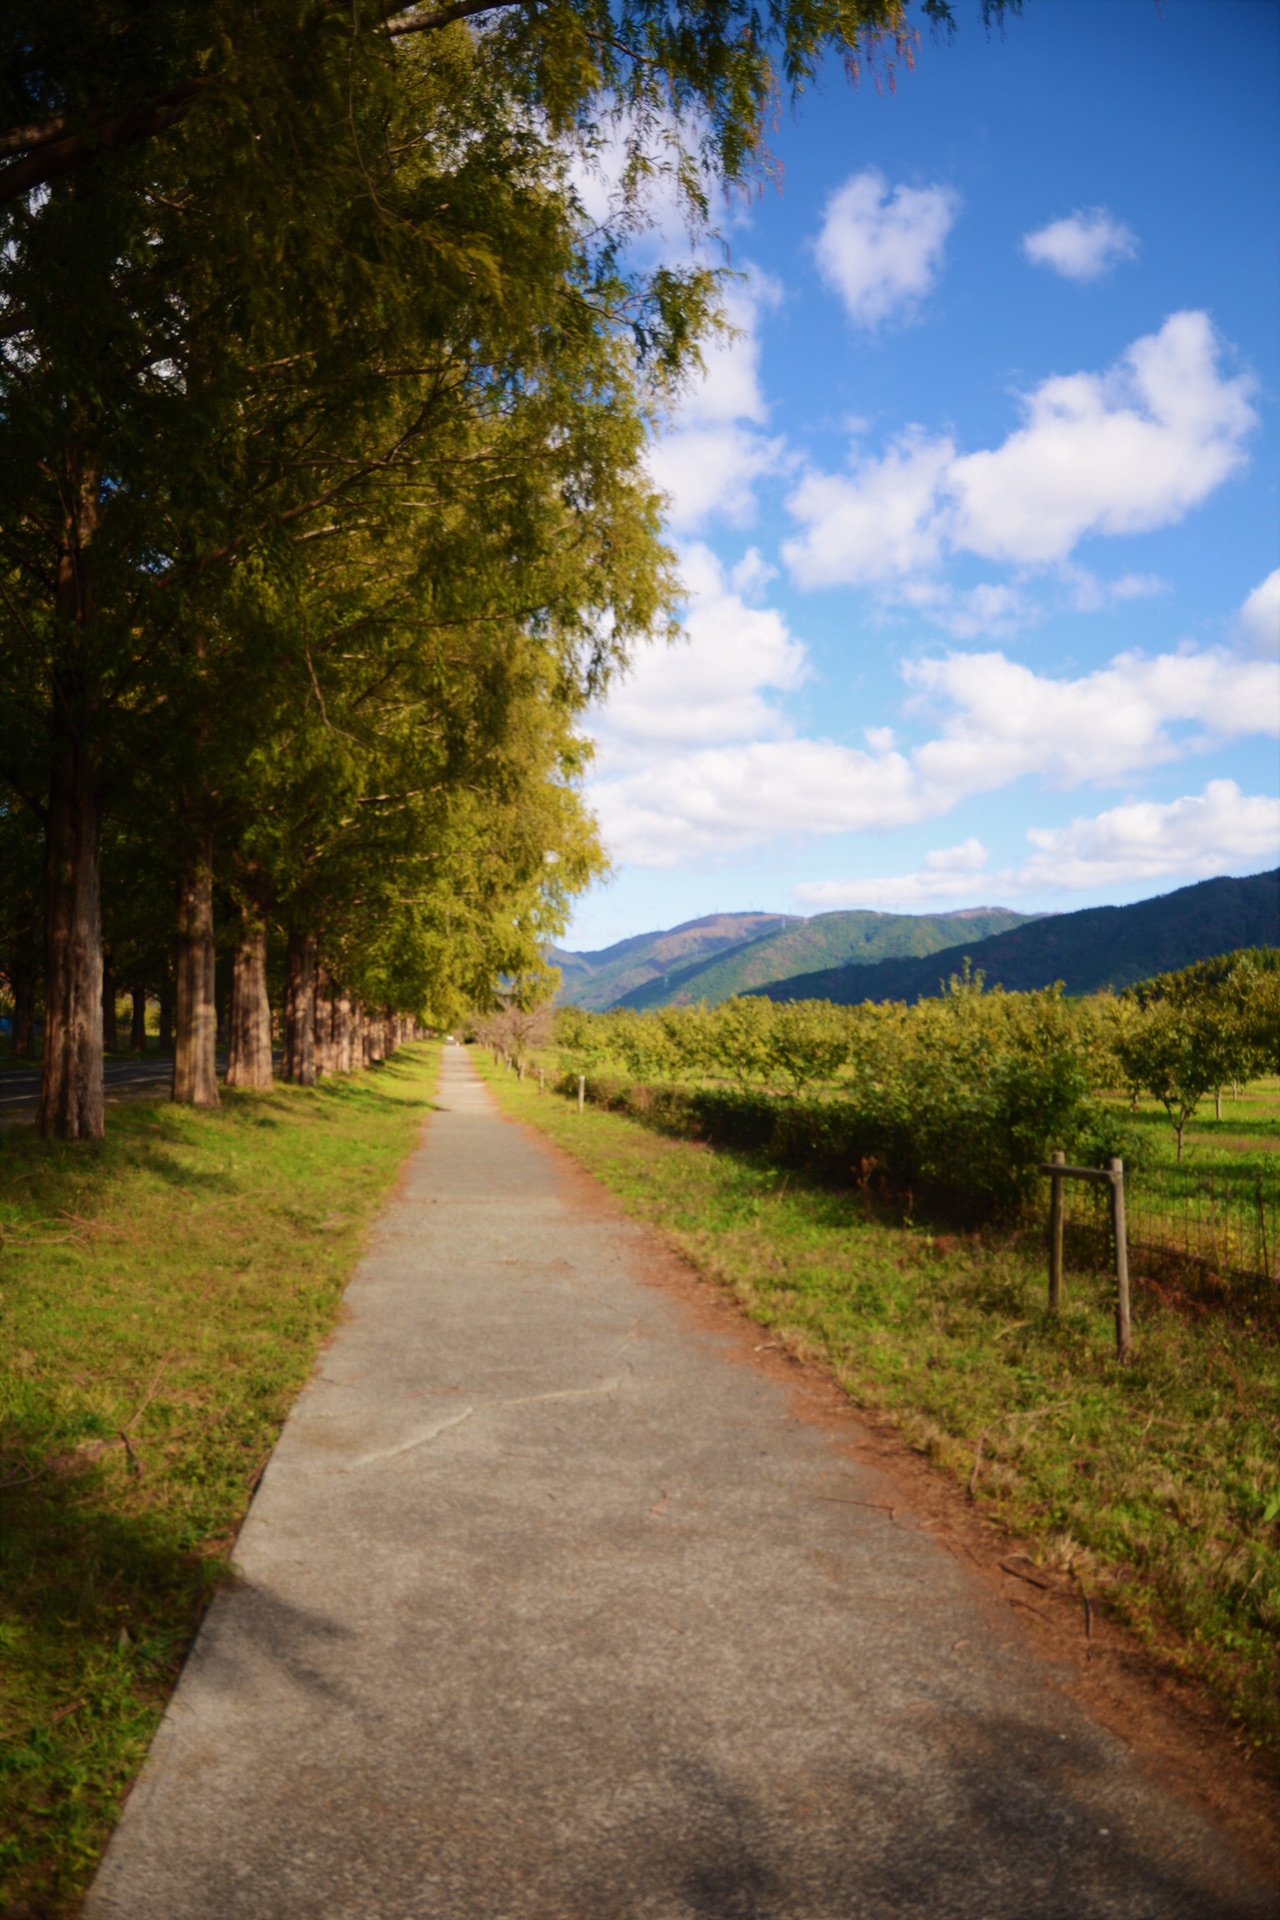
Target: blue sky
<point x="978" y="514"/>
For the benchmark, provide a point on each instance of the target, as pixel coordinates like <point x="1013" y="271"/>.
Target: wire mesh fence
<point x="1222" y="1223"/>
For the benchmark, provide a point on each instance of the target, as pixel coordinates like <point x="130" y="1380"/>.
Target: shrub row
<point x="968" y="1171"/>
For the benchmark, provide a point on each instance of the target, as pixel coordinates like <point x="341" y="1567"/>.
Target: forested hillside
<point x="604" y="978"/>
<point x="1094" y="948"/>
<point x="830" y="939"/>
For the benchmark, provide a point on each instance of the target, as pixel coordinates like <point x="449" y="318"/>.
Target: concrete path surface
<point x="550" y="1610"/>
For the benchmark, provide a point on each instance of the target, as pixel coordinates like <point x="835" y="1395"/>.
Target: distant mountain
<point x="597" y="980"/>
<point x="1096" y="947"/>
<point x="828" y="939"/>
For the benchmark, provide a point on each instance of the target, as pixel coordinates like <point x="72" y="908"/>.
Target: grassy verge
<point x="1156" y="1485"/>
<point x="162" y="1299"/>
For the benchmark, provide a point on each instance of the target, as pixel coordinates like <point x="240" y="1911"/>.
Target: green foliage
<point x="1183" y="1035"/>
<point x="808" y="1041"/>
<point x="323" y="508"/>
<point x="952" y="1104"/>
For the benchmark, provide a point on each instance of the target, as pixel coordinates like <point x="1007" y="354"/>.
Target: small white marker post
<point x="582" y="1091"/>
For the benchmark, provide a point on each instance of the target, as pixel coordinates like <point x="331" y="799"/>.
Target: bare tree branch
<point x="412" y="21"/>
<point x="61" y="145"/>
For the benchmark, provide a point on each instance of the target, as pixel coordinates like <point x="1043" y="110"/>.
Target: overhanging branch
<point x="413" y="21"/>
<point x="60" y="145"/>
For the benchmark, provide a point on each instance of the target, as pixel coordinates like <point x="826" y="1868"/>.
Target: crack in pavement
<point x="428" y="1434"/>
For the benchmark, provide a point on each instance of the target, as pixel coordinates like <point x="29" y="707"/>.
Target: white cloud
<point x="709" y="459"/>
<point x="881" y="249"/>
<point x="880" y="522"/>
<point x="1221" y="830"/>
<point x="712" y="686"/>
<point x="950" y="873"/>
<point x="1002" y="721"/>
<point x="988" y="610"/>
<point x="725" y="800"/>
<point x="752" y="573"/>
<point x="1218" y="830"/>
<point x="685" y="772"/>
<point x="1116" y="453"/>
<point x="1082" y="247"/>
<point x="728" y="388"/>
<point x="1124" y="452"/>
<point x="1260" y="615"/>
<point x="713" y="448"/>
<point x="968" y="857"/>
<point x="711" y="473"/>
<point x="995" y="610"/>
<point x="1089" y="594"/>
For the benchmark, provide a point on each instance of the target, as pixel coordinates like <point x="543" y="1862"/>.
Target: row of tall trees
<point x="323" y="507"/>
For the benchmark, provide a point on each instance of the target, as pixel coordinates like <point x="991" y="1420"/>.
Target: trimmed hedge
<point x="969" y="1166"/>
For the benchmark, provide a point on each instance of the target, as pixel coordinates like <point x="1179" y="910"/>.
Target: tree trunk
<point x="342" y="1033"/>
<point x="222" y="1011"/>
<point x="195" y="1077"/>
<point x="22" y="1040"/>
<point x="323" y="1020"/>
<point x="138" y="1020"/>
<point x="167" y="999"/>
<point x="299" y="1010"/>
<point x="250" y="1062"/>
<point x="110" y="1029"/>
<point x="71" y="1096"/>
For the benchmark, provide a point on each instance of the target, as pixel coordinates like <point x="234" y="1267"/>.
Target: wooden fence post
<point x="582" y="1091"/>
<point x="1055" y="1233"/>
<point x="1123" y="1337"/>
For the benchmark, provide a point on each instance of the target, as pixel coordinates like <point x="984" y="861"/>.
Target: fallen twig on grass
<point x="1028" y="1608"/>
<point x="1027" y="1413"/>
<point x="1032" y="1579"/>
<point x="150" y="1393"/>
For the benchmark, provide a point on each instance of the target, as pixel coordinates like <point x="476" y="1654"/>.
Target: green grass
<point x="162" y="1299"/>
<point x="1247" y="1135"/>
<point x="1156" y="1485"/>
<point x="1221" y="1204"/>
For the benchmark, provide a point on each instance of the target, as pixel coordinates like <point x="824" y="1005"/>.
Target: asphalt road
<point x="20" y="1088"/>
<point x="550" y="1608"/>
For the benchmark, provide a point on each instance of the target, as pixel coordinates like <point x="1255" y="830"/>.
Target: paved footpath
<point x="551" y="1611"/>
